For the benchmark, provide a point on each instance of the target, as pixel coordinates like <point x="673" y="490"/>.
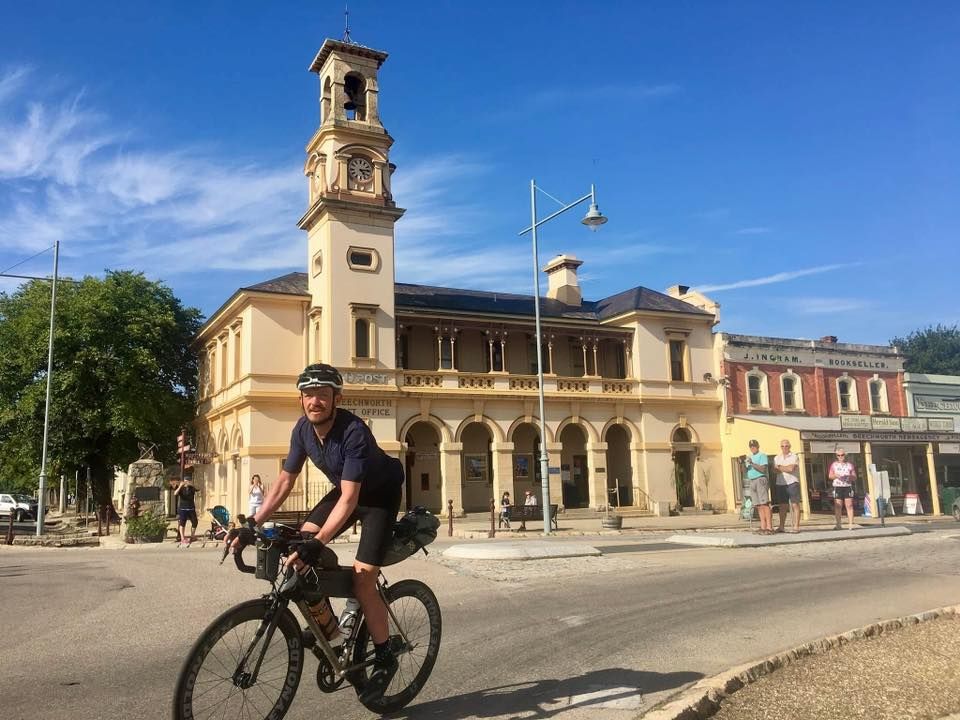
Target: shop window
<point x="847" y="394"/>
<point x="677" y="351"/>
<point x="878" y="396"/>
<point x="792" y="391"/>
<point x="757" y="389"/>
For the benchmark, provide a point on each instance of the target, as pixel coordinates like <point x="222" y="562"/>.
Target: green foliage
<point x="933" y="350"/>
<point x="123" y="372"/>
<point x="147" y="525"/>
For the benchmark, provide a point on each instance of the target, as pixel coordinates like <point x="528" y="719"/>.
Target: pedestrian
<point x="756" y="464"/>
<point x="843" y="474"/>
<point x="788" y="486"/>
<point x="529" y="500"/>
<point x="186" y="510"/>
<point x="256" y="495"/>
<point x="504" y="511"/>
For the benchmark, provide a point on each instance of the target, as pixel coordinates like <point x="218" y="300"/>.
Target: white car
<point x="11" y="504"/>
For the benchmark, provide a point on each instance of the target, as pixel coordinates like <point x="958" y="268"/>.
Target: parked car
<point x="10" y="504"/>
<point x="31" y="501"/>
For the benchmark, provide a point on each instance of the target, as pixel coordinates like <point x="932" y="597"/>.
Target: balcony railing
<point x="523" y="384"/>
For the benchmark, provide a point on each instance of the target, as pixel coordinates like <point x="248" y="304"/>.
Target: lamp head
<point x="594" y="218"/>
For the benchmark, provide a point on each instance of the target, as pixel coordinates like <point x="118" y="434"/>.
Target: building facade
<point x="447" y="378"/>
<point x="936" y="398"/>
<point x="821" y="395"/>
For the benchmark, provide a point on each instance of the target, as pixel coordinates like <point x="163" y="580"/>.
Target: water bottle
<point x="348" y="618"/>
<point x="323" y="614"/>
<point x="269" y="530"/>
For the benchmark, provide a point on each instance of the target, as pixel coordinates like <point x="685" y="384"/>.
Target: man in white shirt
<point x="788" y="486"/>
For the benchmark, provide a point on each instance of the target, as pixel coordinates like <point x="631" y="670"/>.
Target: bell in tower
<point x="355" y="89"/>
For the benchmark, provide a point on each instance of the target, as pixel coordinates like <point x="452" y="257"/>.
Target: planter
<point x="707" y="506"/>
<point x="612" y="522"/>
<point x="146" y="538"/>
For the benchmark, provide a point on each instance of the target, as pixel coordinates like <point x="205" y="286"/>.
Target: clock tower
<point x="351" y="214"/>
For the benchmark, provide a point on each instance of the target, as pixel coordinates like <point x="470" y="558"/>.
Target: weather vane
<point x="346" y="24"/>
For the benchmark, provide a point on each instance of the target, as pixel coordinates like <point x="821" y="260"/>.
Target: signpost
<point x="182" y="449"/>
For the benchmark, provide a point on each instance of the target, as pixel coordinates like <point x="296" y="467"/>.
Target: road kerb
<point x="703" y="699"/>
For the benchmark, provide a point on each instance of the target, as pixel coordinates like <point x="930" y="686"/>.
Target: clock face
<point x="360" y="169"/>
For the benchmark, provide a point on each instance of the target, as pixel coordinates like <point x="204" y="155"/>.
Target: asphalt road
<point x="94" y="633"/>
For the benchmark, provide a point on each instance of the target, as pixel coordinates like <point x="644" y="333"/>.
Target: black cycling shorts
<point x="843" y="492"/>
<point x="376" y="532"/>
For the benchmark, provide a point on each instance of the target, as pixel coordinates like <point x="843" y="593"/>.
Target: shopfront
<point x="921" y="457"/>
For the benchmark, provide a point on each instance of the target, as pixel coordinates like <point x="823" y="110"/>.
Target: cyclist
<point x="367" y="487"/>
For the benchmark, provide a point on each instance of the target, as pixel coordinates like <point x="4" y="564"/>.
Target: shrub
<point x="147" y="525"/>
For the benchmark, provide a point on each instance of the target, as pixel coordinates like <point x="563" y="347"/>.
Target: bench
<point x="522" y="513"/>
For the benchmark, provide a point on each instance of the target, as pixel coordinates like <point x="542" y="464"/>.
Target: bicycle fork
<point x="242" y="678"/>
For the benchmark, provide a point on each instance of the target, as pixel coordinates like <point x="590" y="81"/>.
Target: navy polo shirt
<point x="349" y="451"/>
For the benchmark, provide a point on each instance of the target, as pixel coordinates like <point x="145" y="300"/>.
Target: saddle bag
<point x="413" y="532"/>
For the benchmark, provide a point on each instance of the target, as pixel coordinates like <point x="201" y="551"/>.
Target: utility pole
<point x="41" y="494"/>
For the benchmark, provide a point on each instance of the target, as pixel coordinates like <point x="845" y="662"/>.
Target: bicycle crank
<point x="326" y="677"/>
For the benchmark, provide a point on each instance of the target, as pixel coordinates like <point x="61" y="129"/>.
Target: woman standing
<point x="256" y="495"/>
<point x="843" y="474"/>
<point x="504" y="511"/>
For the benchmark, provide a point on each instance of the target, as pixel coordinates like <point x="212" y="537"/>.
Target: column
<point x="585" y="367"/>
<point x="503" y="352"/>
<point x="804" y="485"/>
<point x="638" y="479"/>
<point x="597" y="481"/>
<point x="440" y="357"/>
<point x="503" y="472"/>
<point x="871" y="485"/>
<point x="451" y="486"/>
<point x="932" y="473"/>
<point x="596" y="368"/>
<point x="453" y="353"/>
<point x="490" y="347"/>
<point x="550" y="355"/>
<point x="554" y="452"/>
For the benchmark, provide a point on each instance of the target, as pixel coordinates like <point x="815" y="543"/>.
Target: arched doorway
<point x="423" y="467"/>
<point x="526" y="461"/>
<point x="619" y="471"/>
<point x="573" y="468"/>
<point x="476" y="468"/>
<point x="683" y="464"/>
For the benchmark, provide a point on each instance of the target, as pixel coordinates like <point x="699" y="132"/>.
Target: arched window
<point x="878" y="396"/>
<point x="791" y="391"/>
<point x="362" y="329"/>
<point x="847" y="394"/>
<point x="757" y="389"/>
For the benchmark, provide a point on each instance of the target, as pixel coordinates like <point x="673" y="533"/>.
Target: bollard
<point x="450" y="518"/>
<point x="493" y="527"/>
<point x="99" y="524"/>
<point x="10" y="530"/>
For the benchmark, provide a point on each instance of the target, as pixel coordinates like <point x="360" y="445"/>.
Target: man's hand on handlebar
<point x="238" y="538"/>
<point x="305" y="557"/>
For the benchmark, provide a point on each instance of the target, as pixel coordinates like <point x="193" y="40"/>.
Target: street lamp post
<point x="593" y="220"/>
<point x="46" y="413"/>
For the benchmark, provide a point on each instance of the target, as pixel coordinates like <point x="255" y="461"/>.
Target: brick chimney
<point x="829" y="339"/>
<point x="562" y="282"/>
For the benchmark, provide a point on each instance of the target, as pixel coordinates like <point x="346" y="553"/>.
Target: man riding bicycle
<point x="367" y="487"/>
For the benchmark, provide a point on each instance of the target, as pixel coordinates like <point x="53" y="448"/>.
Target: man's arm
<point x="349" y="497"/>
<point x="277" y="493"/>
<point x="831" y="473"/>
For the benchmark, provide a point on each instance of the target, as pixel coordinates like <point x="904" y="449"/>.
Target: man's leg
<point x="849" y="503"/>
<point x="795" y="509"/>
<point x="181" y="529"/>
<point x="782" y="505"/>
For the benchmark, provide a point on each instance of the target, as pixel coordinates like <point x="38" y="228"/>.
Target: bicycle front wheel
<point x="216" y="680"/>
<point x="414" y="615"/>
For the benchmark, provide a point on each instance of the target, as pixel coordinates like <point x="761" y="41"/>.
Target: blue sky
<point x="800" y="163"/>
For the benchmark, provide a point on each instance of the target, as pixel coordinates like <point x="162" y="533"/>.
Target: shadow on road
<point x="545" y="698"/>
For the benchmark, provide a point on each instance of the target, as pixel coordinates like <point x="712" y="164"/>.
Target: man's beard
<point x="328" y="418"/>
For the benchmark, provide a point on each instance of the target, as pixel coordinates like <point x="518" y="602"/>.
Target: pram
<point x="219" y="525"/>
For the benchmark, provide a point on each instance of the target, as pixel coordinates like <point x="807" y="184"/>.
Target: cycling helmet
<point x="320" y="375"/>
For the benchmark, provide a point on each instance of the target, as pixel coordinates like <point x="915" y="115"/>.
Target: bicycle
<point x="238" y="667"/>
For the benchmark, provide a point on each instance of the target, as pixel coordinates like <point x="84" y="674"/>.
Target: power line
<point x="23" y="261"/>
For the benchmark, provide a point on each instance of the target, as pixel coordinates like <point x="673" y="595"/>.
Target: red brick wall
<point x="814" y="381"/>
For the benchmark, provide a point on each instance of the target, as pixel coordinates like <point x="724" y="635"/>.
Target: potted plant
<point x="146" y="527"/>
<point x="705" y="474"/>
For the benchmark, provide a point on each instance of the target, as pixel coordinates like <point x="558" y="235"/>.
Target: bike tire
<point x="214" y="656"/>
<point x="418" y="612"/>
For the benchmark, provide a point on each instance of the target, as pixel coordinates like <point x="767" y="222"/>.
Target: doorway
<point x="683" y="477"/>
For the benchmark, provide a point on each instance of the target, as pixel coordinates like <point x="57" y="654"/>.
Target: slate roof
<point x="427" y="297"/>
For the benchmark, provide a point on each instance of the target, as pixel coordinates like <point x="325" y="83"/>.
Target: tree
<point x="932" y="350"/>
<point x="123" y="372"/>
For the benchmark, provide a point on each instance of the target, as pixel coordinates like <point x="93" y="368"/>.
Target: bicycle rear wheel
<point x="415" y="609"/>
<point x="212" y="683"/>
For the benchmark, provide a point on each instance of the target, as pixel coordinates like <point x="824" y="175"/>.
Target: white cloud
<point x="827" y="305"/>
<point x="771" y="279"/>
<point x="759" y="230"/>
